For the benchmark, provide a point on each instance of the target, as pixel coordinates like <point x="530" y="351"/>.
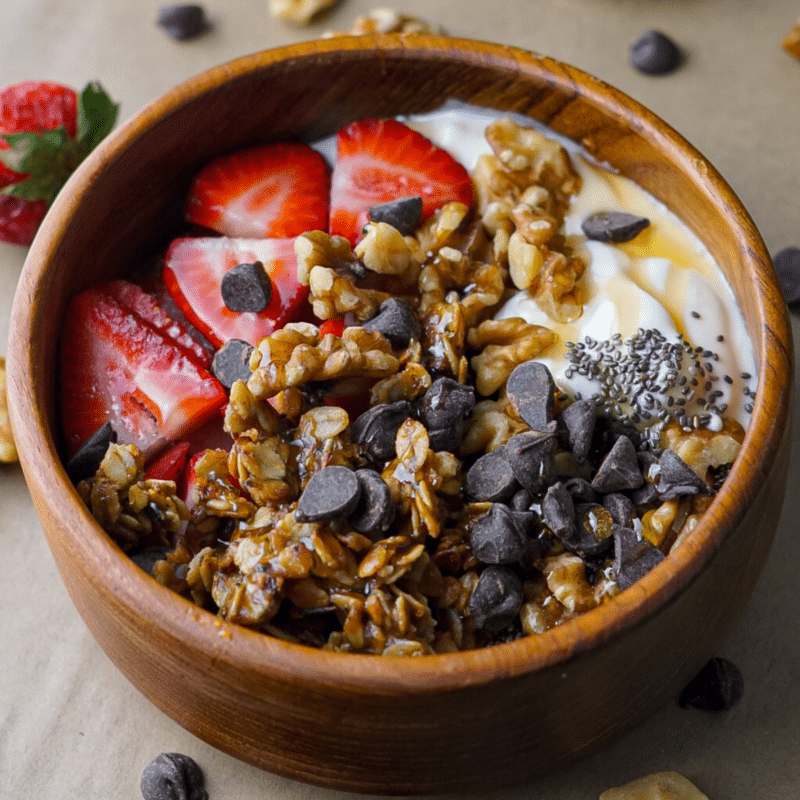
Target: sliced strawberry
<point x="193" y="271"/>
<point x="382" y="160"/>
<point x="276" y="190"/>
<point x="146" y="307"/>
<point x="118" y="368"/>
<point x="20" y="219"/>
<point x="334" y="326"/>
<point x="169" y="465"/>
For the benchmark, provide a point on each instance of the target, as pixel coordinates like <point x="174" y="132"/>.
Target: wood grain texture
<point x="440" y="723"/>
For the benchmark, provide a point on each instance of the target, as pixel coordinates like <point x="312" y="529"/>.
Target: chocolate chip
<point x="376" y="429"/>
<point x="396" y="321"/>
<point x="246" y="287"/>
<point x="613" y="226"/>
<point x="146" y="559"/>
<point x="491" y="478"/>
<point x="634" y="556"/>
<point x="531" y="390"/>
<point x="521" y="501"/>
<point x="677" y="479"/>
<point x="496" y="599"/>
<point x="231" y="362"/>
<point x="404" y="214"/>
<point x="594" y="526"/>
<point x="442" y="411"/>
<point x="532" y="458"/>
<point x="578" y="420"/>
<point x="787" y="265"/>
<point x="173" y="776"/>
<point x="498" y="536"/>
<point x="581" y="490"/>
<point x="621" y="508"/>
<point x="375" y="510"/>
<point x="619" y="470"/>
<point x="558" y="512"/>
<point x="86" y="460"/>
<point x="645" y="494"/>
<point x="655" y="54"/>
<point x="182" y="21"/>
<point x="332" y="493"/>
<point x="717" y="687"/>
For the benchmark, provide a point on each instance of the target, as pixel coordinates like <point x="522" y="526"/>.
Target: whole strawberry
<point x="46" y="130"/>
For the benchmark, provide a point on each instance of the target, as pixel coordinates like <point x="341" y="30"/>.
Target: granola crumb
<point x="8" y="450"/>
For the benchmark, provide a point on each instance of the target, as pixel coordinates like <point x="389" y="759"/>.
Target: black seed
<point x="396" y="321"/>
<point x="376" y="429"/>
<point x="246" y="287"/>
<point x="634" y="556"/>
<point x="496" y="599"/>
<point x="655" y="54"/>
<point x="531" y="390"/>
<point x="332" y="493"/>
<point x="375" y="510"/>
<point x="173" y="776"/>
<point x="498" y="538"/>
<point x="404" y="214"/>
<point x="613" y="226"/>
<point x="717" y="687"/>
<point x="231" y="362"/>
<point x="619" y="470"/>
<point x="86" y="460"/>
<point x="491" y="478"/>
<point x="182" y="22"/>
<point x="787" y="265"/>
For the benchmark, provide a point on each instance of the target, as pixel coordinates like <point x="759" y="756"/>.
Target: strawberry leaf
<point x="97" y="114"/>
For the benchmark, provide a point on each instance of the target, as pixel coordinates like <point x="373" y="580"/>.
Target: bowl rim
<point x="245" y="649"/>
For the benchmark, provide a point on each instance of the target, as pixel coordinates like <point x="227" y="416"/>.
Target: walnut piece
<point x="659" y="786"/>
<point x="8" y="451"/>
<point x="298" y="11"/>
<point x="384" y="20"/>
<point x="791" y="40"/>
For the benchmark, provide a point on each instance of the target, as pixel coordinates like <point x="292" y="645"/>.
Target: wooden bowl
<point x="439" y="723"/>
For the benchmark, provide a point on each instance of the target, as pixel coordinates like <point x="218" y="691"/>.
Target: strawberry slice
<point x="276" y="190"/>
<point x="382" y="160"/>
<point x="170" y="464"/>
<point x="193" y="270"/>
<point x="146" y="307"/>
<point x="117" y="368"/>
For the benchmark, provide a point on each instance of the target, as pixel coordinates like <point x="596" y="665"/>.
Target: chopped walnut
<point x="491" y="425"/>
<point x="384" y="20"/>
<point x="437" y="231"/>
<point x="558" y="292"/>
<point x="566" y="579"/>
<point x="659" y="786"/>
<point x="384" y="250"/>
<point x="244" y="412"/>
<point x="8" y="451"/>
<point x="300" y="12"/>
<point x="702" y="448"/>
<point x="443" y="333"/>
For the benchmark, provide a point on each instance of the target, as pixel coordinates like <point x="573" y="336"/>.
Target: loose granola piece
<point x="245" y="412"/>
<point x="212" y="493"/>
<point x="8" y="451"/>
<point x="300" y="12"/>
<point x="323" y="439"/>
<point x="263" y="467"/>
<point x="384" y="20"/>
<point x="791" y="40"/>
<point x="659" y="786"/>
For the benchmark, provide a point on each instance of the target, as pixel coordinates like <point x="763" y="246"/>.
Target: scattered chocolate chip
<point x="558" y="512"/>
<point x="376" y="429"/>
<point x="787" y="265"/>
<point x="532" y="458"/>
<point x="404" y="214"/>
<point x="173" y="776"/>
<point x="375" y="510"/>
<point x="578" y="420"/>
<point x="86" y="460"/>
<point x="146" y="559"/>
<point x="498" y="537"/>
<point x="655" y="54"/>
<point x="496" y="599"/>
<point x="491" y="479"/>
<point x="396" y="321"/>
<point x="246" y="287"/>
<point x="332" y="493"/>
<point x="619" y="470"/>
<point x="621" y="508"/>
<point x="677" y="479"/>
<point x="182" y="21"/>
<point x="717" y="687"/>
<point x="531" y="390"/>
<point x="634" y="556"/>
<point x="581" y="490"/>
<point x="613" y="226"/>
<point x="231" y="362"/>
<point x="442" y="411"/>
<point x="593" y="525"/>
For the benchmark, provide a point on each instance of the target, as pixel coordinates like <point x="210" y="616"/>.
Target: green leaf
<point x="97" y="114"/>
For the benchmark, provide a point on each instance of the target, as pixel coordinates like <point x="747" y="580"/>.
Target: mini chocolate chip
<point x="332" y="493"/>
<point x="581" y="490"/>
<point x="173" y="776"/>
<point x="521" y="501"/>
<point x="498" y="537"/>
<point x="86" y="460"/>
<point x="491" y="478"/>
<point x="619" y="470"/>
<point x="654" y="53"/>
<point x="246" y="287"/>
<point x="578" y="420"/>
<point x="442" y="410"/>
<point x="376" y="429"/>
<point x="645" y="494"/>
<point x="146" y="559"/>
<point x="531" y="390"/>
<point x="613" y="226"/>
<point x="231" y="362"/>
<point x="634" y="556"/>
<point x="717" y="687"/>
<point x="677" y="479"/>
<point x="182" y="21"/>
<point x="621" y="508"/>
<point x="558" y="512"/>
<point x="404" y="214"/>
<point x="593" y="525"/>
<point x="396" y="321"/>
<point x="496" y="599"/>
<point x="787" y="265"/>
<point x="375" y="510"/>
<point x="532" y="458"/>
